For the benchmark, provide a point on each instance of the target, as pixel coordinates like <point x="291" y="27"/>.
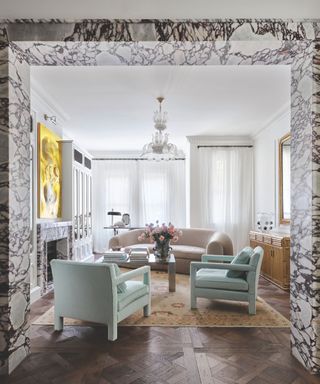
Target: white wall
<point x="266" y="164"/>
<point x="193" y="183"/>
<point x="39" y="106"/>
<point x="174" y="9"/>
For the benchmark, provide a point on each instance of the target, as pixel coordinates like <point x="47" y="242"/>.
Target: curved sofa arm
<point x="114" y="242"/>
<point x="126" y="239"/>
<point x="220" y="244"/>
<point x="214" y="248"/>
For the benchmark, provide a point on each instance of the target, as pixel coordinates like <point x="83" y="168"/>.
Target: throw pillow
<point x="122" y="287"/>
<point x="243" y="257"/>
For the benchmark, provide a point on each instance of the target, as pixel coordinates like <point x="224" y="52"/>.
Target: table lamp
<point x="113" y="213"/>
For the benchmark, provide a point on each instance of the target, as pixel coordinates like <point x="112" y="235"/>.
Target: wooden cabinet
<point x="276" y="259"/>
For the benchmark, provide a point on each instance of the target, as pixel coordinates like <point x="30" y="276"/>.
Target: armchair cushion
<point x="243" y="257"/>
<point x="134" y="290"/>
<point x="217" y="279"/>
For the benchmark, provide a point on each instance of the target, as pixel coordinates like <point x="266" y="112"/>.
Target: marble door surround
<point x="24" y="43"/>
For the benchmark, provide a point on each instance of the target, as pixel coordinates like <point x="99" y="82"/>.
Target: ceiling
<point x="111" y="108"/>
<point x="72" y="9"/>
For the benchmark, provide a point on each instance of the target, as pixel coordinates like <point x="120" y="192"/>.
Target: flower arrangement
<point x="160" y="233"/>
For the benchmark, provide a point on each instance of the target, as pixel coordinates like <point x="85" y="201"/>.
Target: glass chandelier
<point x="160" y="148"/>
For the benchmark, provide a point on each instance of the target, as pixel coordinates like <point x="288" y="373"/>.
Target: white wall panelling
<point x="266" y="164"/>
<point x="77" y="198"/>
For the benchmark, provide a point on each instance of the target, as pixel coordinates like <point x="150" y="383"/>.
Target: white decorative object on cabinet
<point x="77" y="197"/>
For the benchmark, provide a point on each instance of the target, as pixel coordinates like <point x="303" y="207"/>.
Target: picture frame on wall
<point x="49" y="173"/>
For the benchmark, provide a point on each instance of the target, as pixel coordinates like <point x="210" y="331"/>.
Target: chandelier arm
<point x="159" y="148"/>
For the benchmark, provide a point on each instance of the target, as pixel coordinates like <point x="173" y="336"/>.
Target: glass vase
<point x="162" y="249"/>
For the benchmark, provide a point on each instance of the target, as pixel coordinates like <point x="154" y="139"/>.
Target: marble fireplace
<point x="54" y="238"/>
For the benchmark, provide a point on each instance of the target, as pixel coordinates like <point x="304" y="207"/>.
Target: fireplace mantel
<point x="60" y="231"/>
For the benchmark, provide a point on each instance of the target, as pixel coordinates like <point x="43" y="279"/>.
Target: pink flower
<point x="160" y="232"/>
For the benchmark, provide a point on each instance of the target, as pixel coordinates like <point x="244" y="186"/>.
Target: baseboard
<point x="35" y="294"/>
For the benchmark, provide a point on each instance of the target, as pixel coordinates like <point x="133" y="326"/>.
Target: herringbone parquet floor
<point x="161" y="355"/>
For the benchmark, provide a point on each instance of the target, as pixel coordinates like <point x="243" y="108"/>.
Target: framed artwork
<point x="49" y="174"/>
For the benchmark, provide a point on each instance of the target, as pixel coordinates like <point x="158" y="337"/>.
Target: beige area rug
<point x="173" y="309"/>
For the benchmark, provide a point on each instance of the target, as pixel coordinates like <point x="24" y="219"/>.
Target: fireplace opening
<point x="51" y="254"/>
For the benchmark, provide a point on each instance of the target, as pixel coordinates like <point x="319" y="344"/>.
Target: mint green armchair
<point x="93" y="292"/>
<point x="209" y="279"/>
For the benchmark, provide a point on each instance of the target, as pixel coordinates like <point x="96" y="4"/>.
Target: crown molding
<point x="46" y="101"/>
<point x="282" y="112"/>
<point x="220" y="140"/>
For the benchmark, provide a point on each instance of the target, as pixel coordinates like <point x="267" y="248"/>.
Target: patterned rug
<point x="173" y="309"/>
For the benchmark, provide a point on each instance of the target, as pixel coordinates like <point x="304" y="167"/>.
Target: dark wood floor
<point x="161" y="355"/>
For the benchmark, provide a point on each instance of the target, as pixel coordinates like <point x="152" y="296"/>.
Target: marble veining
<point x="161" y="30"/>
<point x="14" y="192"/>
<point x="4" y="209"/>
<point x="159" y="42"/>
<point x="52" y="231"/>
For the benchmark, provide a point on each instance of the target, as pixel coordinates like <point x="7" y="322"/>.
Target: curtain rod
<point x="225" y="146"/>
<point x="134" y="158"/>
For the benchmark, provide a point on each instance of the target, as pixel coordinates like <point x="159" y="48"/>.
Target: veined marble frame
<point x="92" y="42"/>
<point x="62" y="232"/>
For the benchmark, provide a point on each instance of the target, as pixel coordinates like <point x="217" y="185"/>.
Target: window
<point x="226" y="183"/>
<point x="117" y="193"/>
<point x="147" y="190"/>
<point x="155" y="198"/>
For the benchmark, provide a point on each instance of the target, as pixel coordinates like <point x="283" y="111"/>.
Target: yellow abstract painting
<point x="49" y="173"/>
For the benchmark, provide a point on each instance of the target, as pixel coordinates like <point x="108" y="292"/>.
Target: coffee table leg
<point x="172" y="277"/>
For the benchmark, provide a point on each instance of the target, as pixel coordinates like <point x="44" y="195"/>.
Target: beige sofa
<point x="193" y="243"/>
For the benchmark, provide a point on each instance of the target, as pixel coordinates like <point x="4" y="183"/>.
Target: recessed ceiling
<point x="111" y="108"/>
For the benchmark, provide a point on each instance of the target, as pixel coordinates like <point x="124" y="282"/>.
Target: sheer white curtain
<point x="226" y="185"/>
<point x="114" y="186"/>
<point x="162" y="192"/>
<point x="147" y="190"/>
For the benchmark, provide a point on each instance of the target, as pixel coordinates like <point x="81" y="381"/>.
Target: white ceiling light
<point x="160" y="148"/>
